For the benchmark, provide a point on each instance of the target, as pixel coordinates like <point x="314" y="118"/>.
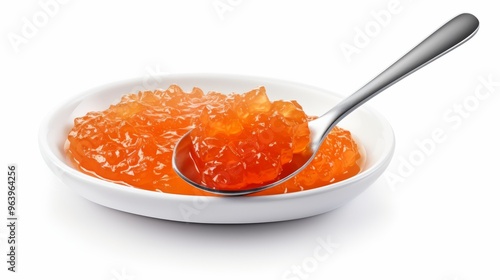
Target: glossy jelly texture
<point x="247" y="140"/>
<point x="131" y="142"/>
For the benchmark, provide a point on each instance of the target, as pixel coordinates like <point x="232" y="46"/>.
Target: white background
<point x="439" y="222"/>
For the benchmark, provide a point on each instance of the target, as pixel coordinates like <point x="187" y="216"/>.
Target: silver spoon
<point x="449" y="36"/>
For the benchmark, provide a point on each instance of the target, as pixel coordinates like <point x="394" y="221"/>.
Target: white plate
<point x="372" y="131"/>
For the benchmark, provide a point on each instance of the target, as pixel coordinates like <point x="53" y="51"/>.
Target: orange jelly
<point x="238" y="140"/>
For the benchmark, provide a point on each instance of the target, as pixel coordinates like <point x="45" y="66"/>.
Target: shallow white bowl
<point x="371" y="130"/>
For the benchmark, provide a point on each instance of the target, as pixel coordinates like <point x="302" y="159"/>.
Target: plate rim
<point x="74" y="100"/>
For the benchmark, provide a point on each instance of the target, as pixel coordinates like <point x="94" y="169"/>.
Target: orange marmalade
<point x="238" y="140"/>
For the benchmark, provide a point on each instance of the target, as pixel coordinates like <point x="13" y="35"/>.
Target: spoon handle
<point x="449" y="36"/>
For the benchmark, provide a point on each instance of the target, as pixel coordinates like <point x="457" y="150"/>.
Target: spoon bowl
<point x="452" y="34"/>
<point x="183" y="164"/>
